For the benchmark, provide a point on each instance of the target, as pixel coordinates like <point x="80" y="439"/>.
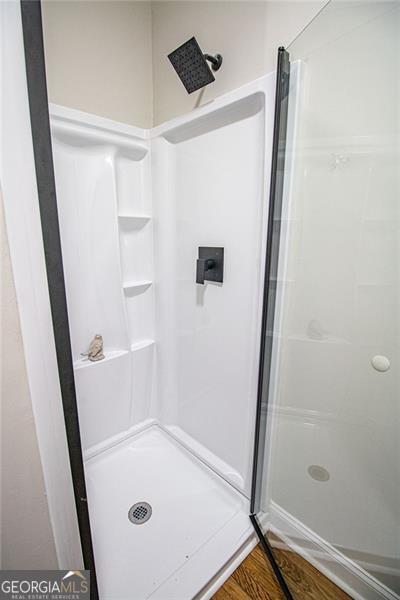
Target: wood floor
<point x="254" y="579"/>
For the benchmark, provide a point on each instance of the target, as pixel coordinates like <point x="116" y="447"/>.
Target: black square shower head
<point x="191" y="66"/>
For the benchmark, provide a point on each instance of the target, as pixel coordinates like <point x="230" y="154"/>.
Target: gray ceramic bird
<point x="95" y="351"/>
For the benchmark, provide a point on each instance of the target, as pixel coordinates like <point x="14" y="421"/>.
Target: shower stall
<point x="167" y="418"/>
<point x="269" y="390"/>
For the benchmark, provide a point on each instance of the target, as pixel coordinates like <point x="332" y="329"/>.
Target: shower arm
<point x="216" y="61"/>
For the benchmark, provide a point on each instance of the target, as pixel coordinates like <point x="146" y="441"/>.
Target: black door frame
<point x="40" y="123"/>
<point x="269" y="299"/>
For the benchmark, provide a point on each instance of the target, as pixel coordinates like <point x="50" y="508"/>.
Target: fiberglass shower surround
<point x="167" y="418"/>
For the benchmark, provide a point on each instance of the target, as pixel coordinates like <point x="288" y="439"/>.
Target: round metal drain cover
<point x="139" y="513"/>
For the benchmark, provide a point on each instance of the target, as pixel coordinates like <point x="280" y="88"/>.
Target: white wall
<point x="210" y="189"/>
<point x="26" y="536"/>
<point x="98" y="58"/>
<point x="104" y="193"/>
<point x="110" y="57"/>
<point x="21" y="209"/>
<point x="247" y="34"/>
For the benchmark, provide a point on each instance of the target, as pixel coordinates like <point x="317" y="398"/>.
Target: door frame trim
<point x="21" y="212"/>
<point x="268" y="309"/>
<point x="32" y="32"/>
<point x="270" y="277"/>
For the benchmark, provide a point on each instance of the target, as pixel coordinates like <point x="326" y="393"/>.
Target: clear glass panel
<point x="333" y="484"/>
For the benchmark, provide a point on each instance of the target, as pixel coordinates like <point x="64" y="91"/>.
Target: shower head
<point x="191" y="65"/>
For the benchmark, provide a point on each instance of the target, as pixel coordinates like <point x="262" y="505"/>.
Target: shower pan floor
<point x="198" y="520"/>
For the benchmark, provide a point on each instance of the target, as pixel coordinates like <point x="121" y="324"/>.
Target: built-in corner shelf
<point x="136" y="286"/>
<point x="142" y="344"/>
<point x="134" y="221"/>
<point x="84" y="363"/>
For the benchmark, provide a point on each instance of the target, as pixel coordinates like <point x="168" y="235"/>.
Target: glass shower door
<point x="329" y="472"/>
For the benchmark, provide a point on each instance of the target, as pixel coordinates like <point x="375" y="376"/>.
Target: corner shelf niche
<point x="135" y="227"/>
<point x="133" y="221"/>
<point x="133" y="184"/>
<point x="140" y="307"/>
<point x="136" y="247"/>
<point x="138" y="286"/>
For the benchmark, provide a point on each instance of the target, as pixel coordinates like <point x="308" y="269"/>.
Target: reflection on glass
<point x="334" y="474"/>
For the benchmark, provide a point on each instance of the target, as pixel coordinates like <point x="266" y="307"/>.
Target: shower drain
<point x="139" y="513"/>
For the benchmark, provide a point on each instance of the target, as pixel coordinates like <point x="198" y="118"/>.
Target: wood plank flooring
<point x="254" y="579"/>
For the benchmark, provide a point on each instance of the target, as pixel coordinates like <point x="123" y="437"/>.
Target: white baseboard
<point x="345" y="573"/>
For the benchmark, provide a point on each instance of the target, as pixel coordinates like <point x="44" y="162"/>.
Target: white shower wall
<point x="216" y="198"/>
<point x="134" y="206"/>
<point x="103" y="190"/>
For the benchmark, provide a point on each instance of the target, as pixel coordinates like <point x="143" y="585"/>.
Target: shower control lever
<point x="203" y="265"/>
<point x="210" y="265"/>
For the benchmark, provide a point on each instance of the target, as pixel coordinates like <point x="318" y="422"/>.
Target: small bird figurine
<point x="95" y="351"/>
